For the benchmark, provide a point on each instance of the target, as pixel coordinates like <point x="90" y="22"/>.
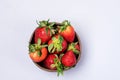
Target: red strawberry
<point x="74" y="47"/>
<point x="37" y="51"/>
<point x="44" y="31"/>
<point x="57" y="44"/>
<point x="41" y="33"/>
<point x="67" y="31"/>
<point x="53" y="62"/>
<point x="68" y="59"/>
<point x="49" y="61"/>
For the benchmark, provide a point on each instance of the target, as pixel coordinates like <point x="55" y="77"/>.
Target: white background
<point x="96" y="21"/>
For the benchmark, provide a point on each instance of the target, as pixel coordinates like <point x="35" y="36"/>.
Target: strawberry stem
<point x="59" y="69"/>
<point x="58" y="65"/>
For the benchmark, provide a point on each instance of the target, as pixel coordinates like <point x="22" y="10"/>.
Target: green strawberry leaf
<point x="66" y="23"/>
<point x="71" y="46"/>
<point x="36" y="47"/>
<point x="39" y="41"/>
<point x="50" y="47"/>
<point x="59" y="48"/>
<point x="61" y="39"/>
<point x="62" y="28"/>
<point x="45" y="45"/>
<point x="51" y="25"/>
<point x="51" y="33"/>
<point x="42" y="23"/>
<point x="39" y="53"/>
<point x="46" y="30"/>
<point x="59" y="66"/>
<point x="53" y="50"/>
<point x="31" y="48"/>
<point x="76" y="51"/>
<point x="57" y="43"/>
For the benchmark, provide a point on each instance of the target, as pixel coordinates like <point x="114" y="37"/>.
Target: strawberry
<point x="57" y="44"/>
<point x="74" y="47"/>
<point x="38" y="52"/>
<point x="53" y="62"/>
<point x="68" y="59"/>
<point x="67" y="31"/>
<point x="44" y="31"/>
<point x="49" y="61"/>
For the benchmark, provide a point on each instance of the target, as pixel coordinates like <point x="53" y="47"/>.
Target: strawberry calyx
<point x="58" y="65"/>
<point x="36" y="47"/>
<point x="42" y="23"/>
<point x="48" y="25"/>
<point x="71" y="46"/>
<point x="56" y="44"/>
<point x="64" y="25"/>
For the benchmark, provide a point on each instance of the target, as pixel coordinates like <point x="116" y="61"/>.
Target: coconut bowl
<point x="40" y="64"/>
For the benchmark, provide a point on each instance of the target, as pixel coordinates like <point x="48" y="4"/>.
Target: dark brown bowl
<point x="40" y="65"/>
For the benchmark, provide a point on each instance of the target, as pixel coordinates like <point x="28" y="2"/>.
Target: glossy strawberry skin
<point x="49" y="61"/>
<point x="68" y="33"/>
<point x="41" y="33"/>
<point x="36" y="58"/>
<point x="69" y="59"/>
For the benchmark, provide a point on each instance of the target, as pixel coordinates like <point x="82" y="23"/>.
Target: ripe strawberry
<point x="74" y="47"/>
<point x="41" y="33"/>
<point x="37" y="57"/>
<point x="38" y="52"/>
<point x="53" y="62"/>
<point x="57" y="44"/>
<point x="44" y="31"/>
<point x="68" y="59"/>
<point x="67" y="31"/>
<point x="49" y="61"/>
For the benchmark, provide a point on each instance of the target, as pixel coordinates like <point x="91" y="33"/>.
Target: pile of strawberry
<point x="54" y="46"/>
